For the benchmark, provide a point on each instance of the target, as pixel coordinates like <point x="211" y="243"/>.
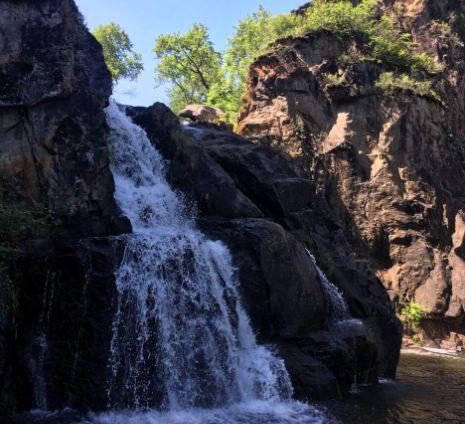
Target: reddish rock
<point x="201" y="113"/>
<point x="391" y="168"/>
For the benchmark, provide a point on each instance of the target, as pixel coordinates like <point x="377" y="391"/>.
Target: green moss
<point x="17" y="223"/>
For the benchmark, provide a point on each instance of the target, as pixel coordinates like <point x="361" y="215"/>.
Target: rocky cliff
<point x="389" y="164"/>
<point x="54" y="151"/>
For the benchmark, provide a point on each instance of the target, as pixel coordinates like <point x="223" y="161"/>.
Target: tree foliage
<point x="253" y="35"/>
<point x="118" y="51"/>
<point x="382" y="43"/>
<point x="189" y="63"/>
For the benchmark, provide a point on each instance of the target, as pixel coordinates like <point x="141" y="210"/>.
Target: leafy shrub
<point x="385" y="43"/>
<point x="340" y="17"/>
<point x="393" y="84"/>
<point x="333" y="80"/>
<point x="412" y="314"/>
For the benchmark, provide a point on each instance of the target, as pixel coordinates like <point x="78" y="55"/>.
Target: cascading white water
<point x="181" y="338"/>
<point x="338" y="310"/>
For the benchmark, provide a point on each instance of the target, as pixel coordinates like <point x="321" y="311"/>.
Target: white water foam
<point x="183" y="349"/>
<point x="256" y="412"/>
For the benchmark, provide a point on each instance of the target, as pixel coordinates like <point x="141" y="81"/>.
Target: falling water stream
<point x="338" y="309"/>
<point x="182" y="343"/>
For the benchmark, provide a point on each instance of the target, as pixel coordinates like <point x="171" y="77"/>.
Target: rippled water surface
<point x="428" y="390"/>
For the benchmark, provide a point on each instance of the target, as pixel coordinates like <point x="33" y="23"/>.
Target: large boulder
<point x="201" y="113"/>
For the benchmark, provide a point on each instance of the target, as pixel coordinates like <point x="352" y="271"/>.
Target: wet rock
<point x="76" y="288"/>
<point x="192" y="171"/>
<point x="310" y="378"/>
<point x="279" y="284"/>
<point x="281" y="291"/>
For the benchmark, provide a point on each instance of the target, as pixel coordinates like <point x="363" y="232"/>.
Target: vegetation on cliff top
<point x="197" y="73"/>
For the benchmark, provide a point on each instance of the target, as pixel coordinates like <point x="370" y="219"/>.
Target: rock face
<point x="53" y="131"/>
<point x="53" y="151"/>
<point x="53" y="145"/>
<point x="252" y="198"/>
<point x="390" y="167"/>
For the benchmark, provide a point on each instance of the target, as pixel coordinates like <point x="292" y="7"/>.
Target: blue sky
<point x="144" y="20"/>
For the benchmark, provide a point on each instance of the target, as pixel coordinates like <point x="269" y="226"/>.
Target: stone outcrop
<point x="252" y="198"/>
<point x="391" y="167"/>
<point x="54" y="86"/>
<point x="53" y="132"/>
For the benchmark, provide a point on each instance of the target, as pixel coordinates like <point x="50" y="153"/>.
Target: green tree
<point x="198" y="74"/>
<point x="118" y="51"/>
<point x="253" y="35"/>
<point x="189" y="63"/>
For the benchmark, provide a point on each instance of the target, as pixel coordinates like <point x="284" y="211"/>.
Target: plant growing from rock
<point x="393" y="84"/>
<point x="333" y="80"/>
<point x="411" y="314"/>
<point x="17" y="223"/>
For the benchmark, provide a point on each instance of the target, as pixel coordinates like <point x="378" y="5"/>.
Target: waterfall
<point x="39" y="347"/>
<point x="181" y="338"/>
<point x="338" y="310"/>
